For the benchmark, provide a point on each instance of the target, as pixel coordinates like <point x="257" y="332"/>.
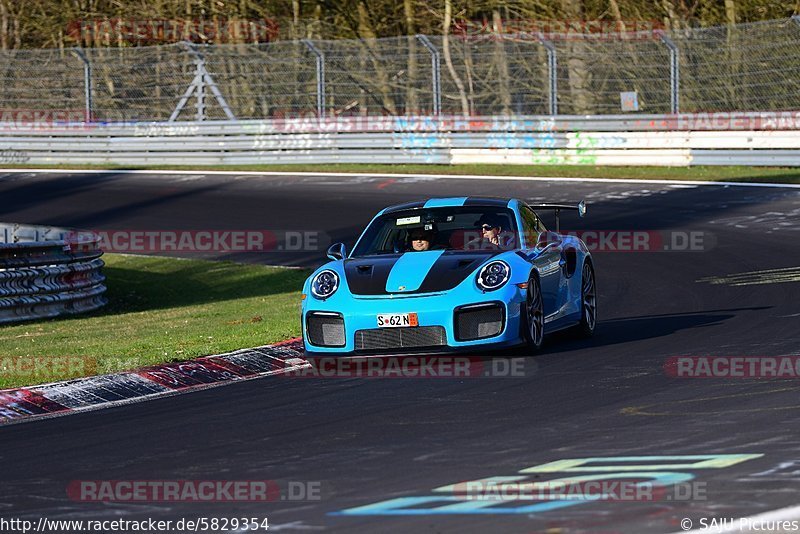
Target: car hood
<point x="412" y="272"/>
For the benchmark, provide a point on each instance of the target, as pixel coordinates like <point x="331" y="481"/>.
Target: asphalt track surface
<point x="371" y="440"/>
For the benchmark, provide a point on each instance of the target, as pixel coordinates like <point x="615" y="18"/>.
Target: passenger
<point x="490" y="226"/>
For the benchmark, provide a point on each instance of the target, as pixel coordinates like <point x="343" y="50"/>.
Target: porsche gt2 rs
<point x="451" y="274"/>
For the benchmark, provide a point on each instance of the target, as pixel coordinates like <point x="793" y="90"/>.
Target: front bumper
<point x="436" y="309"/>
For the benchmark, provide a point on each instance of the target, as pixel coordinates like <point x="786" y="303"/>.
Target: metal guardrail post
<point x="552" y="74"/>
<point x="435" y="72"/>
<point x="674" y="73"/>
<point x="87" y="82"/>
<point x="320" y="59"/>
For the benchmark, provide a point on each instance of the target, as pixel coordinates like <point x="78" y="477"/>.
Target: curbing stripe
<point x="69" y="394"/>
<point x="306" y="174"/>
<point x="16" y="404"/>
<point x="97" y="392"/>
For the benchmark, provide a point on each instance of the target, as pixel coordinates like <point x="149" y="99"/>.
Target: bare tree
<point x="448" y="59"/>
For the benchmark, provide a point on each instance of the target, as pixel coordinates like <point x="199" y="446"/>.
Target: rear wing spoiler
<point x="580" y="207"/>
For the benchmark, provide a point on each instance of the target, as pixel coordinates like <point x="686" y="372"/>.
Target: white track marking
<point x="770" y="276"/>
<point x="774" y="220"/>
<point x="684" y="183"/>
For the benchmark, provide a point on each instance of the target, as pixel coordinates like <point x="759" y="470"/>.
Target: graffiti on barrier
<point x="9" y="155"/>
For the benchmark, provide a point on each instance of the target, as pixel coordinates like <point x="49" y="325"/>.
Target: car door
<point x="545" y="252"/>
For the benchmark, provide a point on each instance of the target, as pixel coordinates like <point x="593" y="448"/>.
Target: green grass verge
<point x="159" y="310"/>
<point x="707" y="173"/>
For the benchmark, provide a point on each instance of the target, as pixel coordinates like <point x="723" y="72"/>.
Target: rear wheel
<point x="534" y="314"/>
<point x="588" y="302"/>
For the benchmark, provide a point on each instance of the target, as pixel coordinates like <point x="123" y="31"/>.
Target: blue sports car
<point x="461" y="273"/>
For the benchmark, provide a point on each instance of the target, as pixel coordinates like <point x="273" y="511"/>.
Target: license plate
<point x="395" y="320"/>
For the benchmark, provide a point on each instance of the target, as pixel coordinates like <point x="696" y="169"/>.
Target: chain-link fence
<point x="747" y="67"/>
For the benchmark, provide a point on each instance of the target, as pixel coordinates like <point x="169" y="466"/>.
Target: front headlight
<point x="324" y="284"/>
<point x="493" y="275"/>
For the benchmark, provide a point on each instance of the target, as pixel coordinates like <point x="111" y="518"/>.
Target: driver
<point x="421" y="239"/>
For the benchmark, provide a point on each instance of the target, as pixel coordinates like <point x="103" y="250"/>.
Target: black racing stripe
<point x="367" y="276"/>
<point x="487" y="201"/>
<point x="406" y="206"/>
<point x="452" y="268"/>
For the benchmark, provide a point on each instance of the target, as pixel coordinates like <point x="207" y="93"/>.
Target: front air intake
<point x="400" y="338"/>
<point x="479" y="321"/>
<point x="325" y="329"/>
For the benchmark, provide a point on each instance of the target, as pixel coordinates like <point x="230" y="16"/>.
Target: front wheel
<point x="588" y="302"/>
<point x="534" y="314"/>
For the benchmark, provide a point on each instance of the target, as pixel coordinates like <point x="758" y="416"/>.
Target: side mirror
<point x="337" y="251"/>
<point x="582" y="208"/>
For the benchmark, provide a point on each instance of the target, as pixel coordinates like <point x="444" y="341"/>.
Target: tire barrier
<point x="47" y="272"/>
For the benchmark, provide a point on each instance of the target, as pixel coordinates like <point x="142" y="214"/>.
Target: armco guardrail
<point x="45" y="272"/>
<point x="676" y="140"/>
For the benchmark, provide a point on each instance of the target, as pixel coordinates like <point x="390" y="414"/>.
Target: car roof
<point x="450" y="201"/>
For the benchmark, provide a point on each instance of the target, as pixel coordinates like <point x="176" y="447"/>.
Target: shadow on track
<point x="624" y="330"/>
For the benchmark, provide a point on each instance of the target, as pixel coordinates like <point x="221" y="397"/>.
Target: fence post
<point x="320" y="77"/>
<point x="200" y="91"/>
<point x="674" y="73"/>
<point x="435" y="73"/>
<point x="87" y="82"/>
<point x="552" y="74"/>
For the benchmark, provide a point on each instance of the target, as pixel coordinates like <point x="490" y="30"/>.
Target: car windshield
<point x="443" y="228"/>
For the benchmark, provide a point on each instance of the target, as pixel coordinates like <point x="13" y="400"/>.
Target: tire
<point x="588" y="322"/>
<point x="534" y="314"/>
